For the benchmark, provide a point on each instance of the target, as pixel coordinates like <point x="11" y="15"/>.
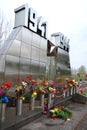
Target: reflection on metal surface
<point x="35" y="67"/>
<point x="24" y="66"/>
<point x="35" y="53"/>
<point x="43" y="56"/>
<point x="59" y="59"/>
<point x="27" y="36"/>
<point x="43" y="44"/>
<point x="36" y="41"/>
<point x="28" y="52"/>
<point x="22" y="57"/>
<point x="25" y="51"/>
<point x="43" y="68"/>
<point x="12" y="64"/>
<point x="14" y="48"/>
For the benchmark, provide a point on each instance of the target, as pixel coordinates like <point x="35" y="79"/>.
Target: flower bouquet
<point x="49" y="85"/>
<point x="82" y="91"/>
<point x="4" y="98"/>
<point x="61" y="112"/>
<point x="51" y="91"/>
<point x="4" y="91"/>
<point x="21" y="90"/>
<point x="72" y="83"/>
<point x="20" y="93"/>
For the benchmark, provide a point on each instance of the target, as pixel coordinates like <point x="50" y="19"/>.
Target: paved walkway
<point x="77" y="122"/>
<point x="82" y="125"/>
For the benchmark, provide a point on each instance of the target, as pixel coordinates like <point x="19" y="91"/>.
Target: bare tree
<point x="5" y="27"/>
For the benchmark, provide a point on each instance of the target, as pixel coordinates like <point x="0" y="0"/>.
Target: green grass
<point x="85" y="93"/>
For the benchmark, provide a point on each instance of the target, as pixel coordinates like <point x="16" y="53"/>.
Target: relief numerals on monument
<point x="29" y="18"/>
<point x="36" y="24"/>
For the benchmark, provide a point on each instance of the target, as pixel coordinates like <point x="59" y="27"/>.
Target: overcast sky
<point x="66" y="16"/>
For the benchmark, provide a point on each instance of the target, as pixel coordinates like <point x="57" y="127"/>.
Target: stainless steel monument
<point x="28" y="51"/>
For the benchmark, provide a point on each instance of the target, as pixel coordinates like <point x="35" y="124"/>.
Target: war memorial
<point x="31" y="65"/>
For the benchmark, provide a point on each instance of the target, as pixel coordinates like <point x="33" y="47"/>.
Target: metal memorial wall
<point x="62" y="59"/>
<point x="27" y="51"/>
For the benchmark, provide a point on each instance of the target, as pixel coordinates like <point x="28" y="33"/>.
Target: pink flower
<point x="2" y="92"/>
<point x="52" y="83"/>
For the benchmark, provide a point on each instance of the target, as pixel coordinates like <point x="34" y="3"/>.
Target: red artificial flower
<point x="65" y="119"/>
<point x="46" y="79"/>
<point x="8" y="85"/>
<point x="58" y="91"/>
<point x="29" y="77"/>
<point x="85" y="75"/>
<point x="33" y="82"/>
<point x="53" y="116"/>
<point x="18" y="79"/>
<point x="0" y="86"/>
<point x="65" y="88"/>
<point x="70" y="82"/>
<point x="78" y="85"/>
<point x="61" y="107"/>
<point x="44" y="84"/>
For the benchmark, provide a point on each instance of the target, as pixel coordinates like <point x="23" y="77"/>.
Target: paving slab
<point x="77" y="122"/>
